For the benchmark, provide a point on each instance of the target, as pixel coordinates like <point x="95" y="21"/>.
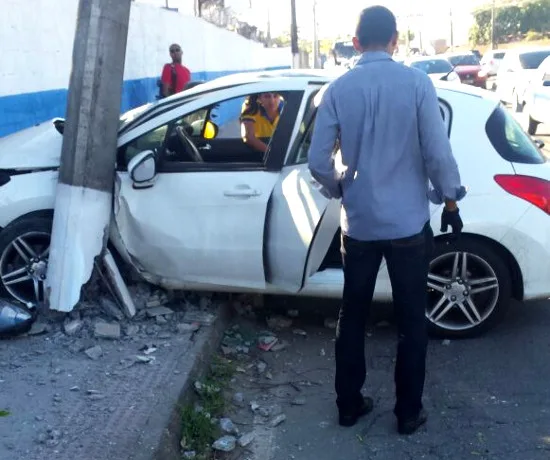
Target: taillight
<point x="532" y="189"/>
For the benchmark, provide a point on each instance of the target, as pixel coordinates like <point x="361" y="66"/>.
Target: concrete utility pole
<point x="294" y="36"/>
<point x="83" y="202"/>
<point x="493" y="26"/>
<point x="316" y="63"/>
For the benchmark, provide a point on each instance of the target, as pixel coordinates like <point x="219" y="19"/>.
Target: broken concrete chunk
<point x="331" y="323"/>
<point x="225" y="444"/>
<point x="104" y="330"/>
<point x="246" y="439"/>
<point x="279" y="322"/>
<point x="73" y="327"/>
<point x="238" y="399"/>
<point x="278" y="420"/>
<point x="280" y="346"/>
<point x="190" y="454"/>
<point x="159" y="311"/>
<point x="227" y="426"/>
<point x="261" y="366"/>
<point x="94" y="352"/>
<point x="267" y="342"/>
<point x="201" y="317"/>
<point x="38" y="328"/>
<point x="110" y="309"/>
<point x="132" y="329"/>
<point x="187" y="328"/>
<point x="254" y="406"/>
<point x="299" y="332"/>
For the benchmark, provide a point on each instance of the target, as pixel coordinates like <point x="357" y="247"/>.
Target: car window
<point x="433" y="66"/>
<point x="509" y="140"/>
<point x="467" y="59"/>
<point x="499" y="55"/>
<point x="533" y="60"/>
<point x="305" y="142"/>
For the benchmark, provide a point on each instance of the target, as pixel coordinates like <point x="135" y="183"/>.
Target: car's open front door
<point x="301" y="221"/>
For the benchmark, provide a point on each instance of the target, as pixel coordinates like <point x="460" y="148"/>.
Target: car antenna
<point x="444" y="77"/>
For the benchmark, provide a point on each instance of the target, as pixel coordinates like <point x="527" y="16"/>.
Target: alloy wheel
<point x="463" y="291"/>
<point x="23" y="267"/>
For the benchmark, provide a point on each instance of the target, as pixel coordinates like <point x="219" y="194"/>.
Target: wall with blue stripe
<point x="33" y="90"/>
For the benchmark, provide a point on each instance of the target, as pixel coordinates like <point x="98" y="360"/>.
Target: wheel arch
<point x="507" y="257"/>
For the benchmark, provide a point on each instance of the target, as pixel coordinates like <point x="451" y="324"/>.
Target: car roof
<point x="300" y="77"/>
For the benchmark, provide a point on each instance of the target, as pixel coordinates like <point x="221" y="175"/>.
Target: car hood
<point x="33" y="148"/>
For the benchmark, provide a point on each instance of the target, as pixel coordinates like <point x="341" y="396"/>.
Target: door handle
<point x="241" y="193"/>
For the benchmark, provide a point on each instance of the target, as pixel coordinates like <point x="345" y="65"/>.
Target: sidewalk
<point x="82" y="397"/>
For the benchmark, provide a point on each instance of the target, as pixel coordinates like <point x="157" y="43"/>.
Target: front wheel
<point x="24" y="251"/>
<point x="469" y="288"/>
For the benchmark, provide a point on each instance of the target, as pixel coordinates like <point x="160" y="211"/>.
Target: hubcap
<point x="23" y="267"/>
<point x="463" y="291"/>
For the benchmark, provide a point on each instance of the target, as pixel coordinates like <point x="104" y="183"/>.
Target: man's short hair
<point x="376" y="26"/>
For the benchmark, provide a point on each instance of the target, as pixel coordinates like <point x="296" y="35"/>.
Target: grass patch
<point x="198" y="430"/>
<point x="4" y="413"/>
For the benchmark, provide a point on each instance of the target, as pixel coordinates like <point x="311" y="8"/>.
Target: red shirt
<point x="183" y="76"/>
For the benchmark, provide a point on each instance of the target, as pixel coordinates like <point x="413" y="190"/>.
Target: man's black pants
<point x="408" y="262"/>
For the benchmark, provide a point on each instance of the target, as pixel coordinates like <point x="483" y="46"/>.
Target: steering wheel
<point x="186" y="141"/>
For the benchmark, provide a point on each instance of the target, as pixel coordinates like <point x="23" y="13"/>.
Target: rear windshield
<point x="533" y="60"/>
<point x="433" y="66"/>
<point x="509" y="140"/>
<point x="467" y="59"/>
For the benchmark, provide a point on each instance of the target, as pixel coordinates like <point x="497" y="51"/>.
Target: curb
<point x="168" y="444"/>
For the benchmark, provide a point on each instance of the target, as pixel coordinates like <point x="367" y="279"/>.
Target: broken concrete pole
<point x="83" y="203"/>
<point x="119" y="286"/>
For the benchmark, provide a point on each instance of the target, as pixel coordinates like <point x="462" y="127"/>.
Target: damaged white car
<point x="196" y="208"/>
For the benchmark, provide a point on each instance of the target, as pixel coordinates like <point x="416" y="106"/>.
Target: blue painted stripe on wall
<point x="21" y="111"/>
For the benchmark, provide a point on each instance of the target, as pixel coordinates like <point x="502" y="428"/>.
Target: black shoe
<point x="350" y="419"/>
<point x="410" y="425"/>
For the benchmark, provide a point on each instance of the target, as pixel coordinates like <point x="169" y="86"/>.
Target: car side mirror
<point x="143" y="169"/>
<point x="539" y="143"/>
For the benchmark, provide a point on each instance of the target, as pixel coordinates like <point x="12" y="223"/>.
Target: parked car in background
<point x="537" y="98"/>
<point x="195" y="208"/>
<point x="516" y="70"/>
<point x="468" y="68"/>
<point x="435" y="67"/>
<point x="491" y="61"/>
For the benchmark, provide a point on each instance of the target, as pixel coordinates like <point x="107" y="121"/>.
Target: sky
<point x="430" y="16"/>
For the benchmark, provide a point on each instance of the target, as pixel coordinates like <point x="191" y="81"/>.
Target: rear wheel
<point x="469" y="289"/>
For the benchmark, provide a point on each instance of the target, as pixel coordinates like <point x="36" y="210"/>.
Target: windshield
<point x="467" y="59"/>
<point x="533" y="60"/>
<point x="509" y="140"/>
<point x="433" y="66"/>
<point x="131" y="115"/>
<point x="344" y="49"/>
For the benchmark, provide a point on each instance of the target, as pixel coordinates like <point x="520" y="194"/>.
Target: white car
<point x="516" y="70"/>
<point x="436" y="68"/>
<point x="197" y="209"/>
<point x="491" y="60"/>
<point x="537" y="98"/>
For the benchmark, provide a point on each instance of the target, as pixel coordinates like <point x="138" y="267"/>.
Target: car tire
<point x="485" y="273"/>
<point x="35" y="232"/>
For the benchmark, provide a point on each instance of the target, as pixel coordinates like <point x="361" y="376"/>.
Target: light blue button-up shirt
<point x="393" y="143"/>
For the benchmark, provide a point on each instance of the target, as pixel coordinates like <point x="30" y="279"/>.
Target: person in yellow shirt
<point x="259" y="118"/>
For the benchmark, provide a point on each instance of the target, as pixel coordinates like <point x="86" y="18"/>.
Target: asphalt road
<point x="488" y="398"/>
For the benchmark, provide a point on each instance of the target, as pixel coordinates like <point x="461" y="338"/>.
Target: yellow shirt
<point x="263" y="126"/>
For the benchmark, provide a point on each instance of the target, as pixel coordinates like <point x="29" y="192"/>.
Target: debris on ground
<point x="94" y="352"/>
<point x="331" y="323"/>
<point x="225" y="444"/>
<point x="279" y="322"/>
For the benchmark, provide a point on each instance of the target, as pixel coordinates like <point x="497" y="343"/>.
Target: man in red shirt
<point x="175" y="76"/>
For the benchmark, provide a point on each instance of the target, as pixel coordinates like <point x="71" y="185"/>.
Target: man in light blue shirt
<point x="387" y="122"/>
